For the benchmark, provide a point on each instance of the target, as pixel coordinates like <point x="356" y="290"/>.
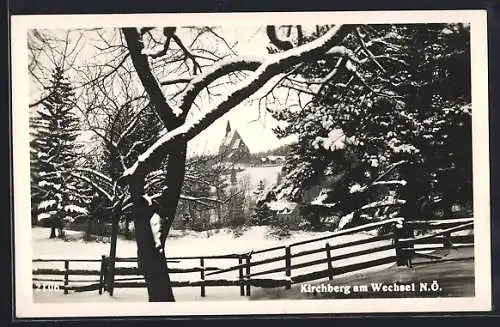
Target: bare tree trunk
<point x="127" y="229"/>
<point x="151" y="260"/>
<point x="88" y="234"/>
<point x="34" y="218"/>
<point x="151" y="252"/>
<point x="52" y="231"/>
<point x="56" y="224"/>
<point x="175" y="178"/>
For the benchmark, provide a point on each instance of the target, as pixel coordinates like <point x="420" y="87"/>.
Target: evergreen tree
<point x="260" y="188"/>
<point x="56" y="195"/>
<point x="409" y="100"/>
<point x="262" y="215"/>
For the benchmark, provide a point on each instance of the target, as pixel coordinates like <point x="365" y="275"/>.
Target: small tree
<point x="260" y="188"/>
<point x="262" y="214"/>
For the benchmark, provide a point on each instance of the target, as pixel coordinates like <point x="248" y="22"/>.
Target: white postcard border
<point x="25" y="308"/>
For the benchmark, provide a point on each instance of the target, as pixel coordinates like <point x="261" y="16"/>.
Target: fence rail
<point x="324" y="259"/>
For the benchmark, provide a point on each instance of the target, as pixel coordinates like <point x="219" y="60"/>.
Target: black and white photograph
<point x="185" y="164"/>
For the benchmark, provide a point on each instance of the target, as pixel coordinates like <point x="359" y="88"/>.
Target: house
<point x="273" y="160"/>
<point x="285" y="211"/>
<point x="276" y="159"/>
<point x="232" y="147"/>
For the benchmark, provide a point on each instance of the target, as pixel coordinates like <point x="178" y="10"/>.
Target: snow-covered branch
<point x="389" y="170"/>
<point x="95" y="173"/>
<point x="208" y="202"/>
<point x="394" y="182"/>
<point x="97" y="187"/>
<point x="275" y="64"/>
<point x="319" y="81"/>
<point x="222" y="68"/>
<point x="379" y="204"/>
<point x="40" y="101"/>
<point x="368" y="52"/>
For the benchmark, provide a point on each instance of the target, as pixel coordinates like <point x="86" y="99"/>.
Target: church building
<point x="232" y="147"/>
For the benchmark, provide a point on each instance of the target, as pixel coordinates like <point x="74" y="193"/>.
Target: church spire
<point x="228" y="128"/>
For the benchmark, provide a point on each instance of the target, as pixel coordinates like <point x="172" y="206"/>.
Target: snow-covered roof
<point x="236" y="144"/>
<point x="232" y="145"/>
<point x="282" y="206"/>
<point x="275" y="158"/>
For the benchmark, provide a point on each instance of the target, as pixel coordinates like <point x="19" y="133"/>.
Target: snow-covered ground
<point x="190" y="244"/>
<point x="254" y="174"/>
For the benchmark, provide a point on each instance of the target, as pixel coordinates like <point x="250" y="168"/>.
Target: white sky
<point x="254" y="128"/>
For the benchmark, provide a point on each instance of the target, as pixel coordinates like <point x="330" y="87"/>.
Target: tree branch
<point x="177" y="80"/>
<point x="168" y="32"/>
<point x="95" y="173"/>
<point x="94" y="185"/>
<point x="272" y="34"/>
<point x="34" y="104"/>
<point x="201" y="81"/>
<point x="187" y="53"/>
<point x="148" y="80"/>
<point x="131" y="125"/>
<point x="276" y="64"/>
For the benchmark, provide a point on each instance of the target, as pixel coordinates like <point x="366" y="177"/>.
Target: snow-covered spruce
<point x="54" y="151"/>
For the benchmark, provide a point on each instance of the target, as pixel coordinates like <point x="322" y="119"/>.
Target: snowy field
<point x="190" y="244"/>
<point x="254" y="174"/>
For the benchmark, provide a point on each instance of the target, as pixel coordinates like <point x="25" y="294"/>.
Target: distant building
<point x="233" y="148"/>
<point x="273" y="160"/>
<point x="285" y="211"/>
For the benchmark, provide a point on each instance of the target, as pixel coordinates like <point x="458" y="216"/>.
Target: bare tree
<point x="153" y="221"/>
<point x="179" y="69"/>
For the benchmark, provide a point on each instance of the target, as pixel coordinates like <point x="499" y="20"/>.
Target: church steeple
<point x="232" y="147"/>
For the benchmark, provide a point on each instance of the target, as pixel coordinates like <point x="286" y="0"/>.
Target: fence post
<point x="288" y="264"/>
<point x="329" y="262"/>
<point x="410" y="232"/>
<point x="400" y="256"/>
<point x="102" y="274"/>
<point x="248" y="273"/>
<point x="446" y="240"/>
<point x="202" y="275"/>
<point x="112" y="251"/>
<point x="66" y="276"/>
<point x="110" y="273"/>
<point x="242" y="286"/>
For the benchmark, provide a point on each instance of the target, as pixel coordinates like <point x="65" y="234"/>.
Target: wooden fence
<point x="323" y="258"/>
<point x="54" y="281"/>
<point x="438" y="234"/>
